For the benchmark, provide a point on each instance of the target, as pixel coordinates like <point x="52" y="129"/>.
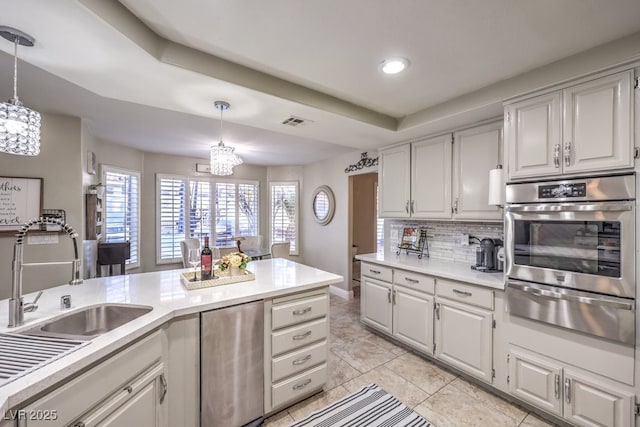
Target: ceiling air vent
<point x="296" y="121"/>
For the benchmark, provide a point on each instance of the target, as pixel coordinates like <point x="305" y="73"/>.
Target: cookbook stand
<point x="414" y="241"/>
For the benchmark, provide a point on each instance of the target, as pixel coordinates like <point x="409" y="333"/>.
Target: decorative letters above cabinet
<point x="586" y="127"/>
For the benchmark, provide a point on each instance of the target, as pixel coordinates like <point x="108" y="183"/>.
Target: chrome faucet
<point x="17" y="306"/>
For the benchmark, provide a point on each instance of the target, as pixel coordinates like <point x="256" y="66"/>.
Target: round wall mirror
<point x="323" y="205"/>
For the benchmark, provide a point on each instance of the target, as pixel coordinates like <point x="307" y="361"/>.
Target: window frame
<point x="104" y="169"/>
<point x="159" y="178"/>
<point x="296" y="249"/>
<point x="236" y="183"/>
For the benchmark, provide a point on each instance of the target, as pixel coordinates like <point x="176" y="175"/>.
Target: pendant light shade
<point x="223" y="158"/>
<point x="19" y="125"/>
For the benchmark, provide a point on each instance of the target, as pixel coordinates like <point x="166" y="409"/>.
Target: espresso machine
<point x="489" y="256"/>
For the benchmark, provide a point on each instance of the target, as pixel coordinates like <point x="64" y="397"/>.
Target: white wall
<point x="59" y="164"/>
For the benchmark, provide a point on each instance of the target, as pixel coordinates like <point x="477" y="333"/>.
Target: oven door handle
<point x="605" y="302"/>
<point x="572" y="207"/>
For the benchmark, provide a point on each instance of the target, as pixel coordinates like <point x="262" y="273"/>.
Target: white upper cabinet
<point x="431" y="178"/>
<point x="395" y="185"/>
<point x="476" y="152"/>
<point x="583" y="128"/>
<point x="597" y="131"/>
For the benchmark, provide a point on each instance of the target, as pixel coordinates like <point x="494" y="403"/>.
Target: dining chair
<point x="280" y="250"/>
<point x="185" y="246"/>
<point x="251" y="242"/>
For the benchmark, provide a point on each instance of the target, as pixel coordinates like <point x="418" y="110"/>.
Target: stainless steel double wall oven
<point x="570" y="254"/>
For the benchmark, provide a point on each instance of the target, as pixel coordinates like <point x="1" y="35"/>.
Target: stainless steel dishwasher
<point x="231" y="366"/>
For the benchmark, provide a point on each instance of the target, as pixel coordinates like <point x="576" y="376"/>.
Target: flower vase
<point x="235" y="271"/>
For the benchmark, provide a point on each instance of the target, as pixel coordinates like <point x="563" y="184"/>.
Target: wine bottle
<point x="205" y="261"/>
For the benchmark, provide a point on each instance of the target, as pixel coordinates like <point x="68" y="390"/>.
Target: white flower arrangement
<point x="234" y="259"/>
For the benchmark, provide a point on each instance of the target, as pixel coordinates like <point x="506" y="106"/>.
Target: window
<point x="236" y="211"/>
<point x="284" y="213"/>
<point x="182" y="212"/>
<point x="122" y="213"/>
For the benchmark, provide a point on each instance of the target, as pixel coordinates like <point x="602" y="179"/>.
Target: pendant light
<point x="223" y="158"/>
<point x="19" y="125"/>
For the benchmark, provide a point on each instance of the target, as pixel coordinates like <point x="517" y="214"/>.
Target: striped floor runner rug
<point x="370" y="406"/>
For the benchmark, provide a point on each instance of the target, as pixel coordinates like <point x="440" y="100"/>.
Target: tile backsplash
<point x="444" y="238"/>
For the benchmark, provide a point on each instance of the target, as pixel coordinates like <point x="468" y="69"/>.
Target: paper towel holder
<point x="496" y="187"/>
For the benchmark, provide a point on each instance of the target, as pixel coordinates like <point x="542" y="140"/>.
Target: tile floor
<point x="358" y="357"/>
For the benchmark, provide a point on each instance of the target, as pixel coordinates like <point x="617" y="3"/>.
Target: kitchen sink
<point x="90" y="322"/>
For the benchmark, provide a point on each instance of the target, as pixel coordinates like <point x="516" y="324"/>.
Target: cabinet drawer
<point x="416" y="281"/>
<point x="81" y="394"/>
<point x="376" y="271"/>
<point x="298" y="361"/>
<point x="299" y="311"/>
<point x="298" y="336"/>
<point x="298" y="386"/>
<point x="469" y="294"/>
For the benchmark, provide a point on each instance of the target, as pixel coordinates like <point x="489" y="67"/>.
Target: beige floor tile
<point x="490" y="399"/>
<point x="281" y="419"/>
<point x="451" y="407"/>
<point x="384" y="343"/>
<point x="363" y="355"/>
<point x="315" y="402"/>
<point x="420" y="372"/>
<point x="393" y="384"/>
<point x="534" y="421"/>
<point x="339" y="371"/>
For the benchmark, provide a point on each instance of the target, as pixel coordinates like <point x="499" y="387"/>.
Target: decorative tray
<point x="221" y="278"/>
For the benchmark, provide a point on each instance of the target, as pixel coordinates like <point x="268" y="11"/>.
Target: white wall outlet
<point x="464" y="240"/>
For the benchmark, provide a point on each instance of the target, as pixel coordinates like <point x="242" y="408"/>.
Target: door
<point x="413" y="318"/>
<point x="464" y="337"/>
<point x="535" y="380"/>
<point x="431" y="178"/>
<point x="475" y="152"/>
<point x="533" y="133"/>
<point x="375" y="304"/>
<point x="598" y="124"/>
<point x="395" y="185"/>
<point x="589" y="401"/>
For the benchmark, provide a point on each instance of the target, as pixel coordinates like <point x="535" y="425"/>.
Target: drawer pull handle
<point x="301" y="312"/>
<point x="302" y="360"/>
<point x="301" y="336"/>
<point x="375" y="271"/>
<point x="567" y="390"/>
<point x="462" y="293"/>
<point x="410" y="280"/>
<point x="302" y="384"/>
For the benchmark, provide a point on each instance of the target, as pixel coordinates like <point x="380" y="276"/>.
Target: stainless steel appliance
<point x="487" y="256"/>
<point x="570" y="254"/>
<point x="232" y="367"/>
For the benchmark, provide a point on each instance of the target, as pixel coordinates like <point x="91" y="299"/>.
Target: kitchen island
<point x="164" y="292"/>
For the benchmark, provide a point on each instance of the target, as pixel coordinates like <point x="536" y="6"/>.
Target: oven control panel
<point x="561" y="191"/>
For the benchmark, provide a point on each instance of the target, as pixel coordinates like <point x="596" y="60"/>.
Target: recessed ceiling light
<point x="394" y="65"/>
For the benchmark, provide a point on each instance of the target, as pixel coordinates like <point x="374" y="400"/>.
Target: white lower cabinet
<point x="579" y="397"/>
<point x="464" y="337"/>
<point x="129" y="388"/>
<point x="296" y="350"/>
<point x="401" y="307"/>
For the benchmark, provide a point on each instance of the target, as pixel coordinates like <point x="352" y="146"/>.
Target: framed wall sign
<point x="20" y="201"/>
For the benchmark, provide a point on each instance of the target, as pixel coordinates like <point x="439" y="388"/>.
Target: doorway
<point x="363" y="220"/>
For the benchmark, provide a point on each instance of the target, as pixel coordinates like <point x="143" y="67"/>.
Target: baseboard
<point x="341" y="292"/>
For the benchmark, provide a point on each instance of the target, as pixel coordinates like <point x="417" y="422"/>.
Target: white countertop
<point x="436" y="267"/>
<point x="161" y="290"/>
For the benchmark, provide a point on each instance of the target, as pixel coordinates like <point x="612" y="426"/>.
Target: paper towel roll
<point x="496" y="187"/>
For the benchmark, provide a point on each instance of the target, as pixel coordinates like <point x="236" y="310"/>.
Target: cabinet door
<point x="375" y="303"/>
<point x="589" y="401"/>
<point x="533" y="135"/>
<point x="598" y="133"/>
<point x="464" y="337"/>
<point x="140" y="411"/>
<point x="431" y="178"/>
<point x="475" y="152"/>
<point x="394" y="176"/>
<point x="413" y="318"/>
<point x="535" y="380"/>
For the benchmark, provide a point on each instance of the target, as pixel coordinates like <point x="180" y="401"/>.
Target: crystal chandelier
<point x="19" y="125"/>
<point x="223" y="158"/>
